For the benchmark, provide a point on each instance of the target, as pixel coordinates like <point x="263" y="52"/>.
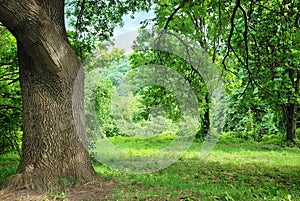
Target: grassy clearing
<point x="231" y="172"/>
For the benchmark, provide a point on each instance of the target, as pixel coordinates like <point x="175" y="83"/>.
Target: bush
<point x="233" y="137"/>
<point x="274" y="138"/>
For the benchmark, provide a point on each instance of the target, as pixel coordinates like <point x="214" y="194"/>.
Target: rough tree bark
<point x="54" y="143"/>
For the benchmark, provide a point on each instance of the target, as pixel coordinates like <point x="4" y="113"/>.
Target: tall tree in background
<point x="197" y="20"/>
<point x="264" y="41"/>
<point x="51" y="76"/>
<point x="258" y="43"/>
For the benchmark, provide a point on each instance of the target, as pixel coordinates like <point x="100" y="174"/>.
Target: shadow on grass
<point x="230" y="172"/>
<point x="199" y="180"/>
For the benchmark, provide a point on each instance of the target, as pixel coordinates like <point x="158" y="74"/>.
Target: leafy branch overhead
<point x="92" y="21"/>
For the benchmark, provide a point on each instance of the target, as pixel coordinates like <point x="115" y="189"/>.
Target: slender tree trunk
<point x="54" y="148"/>
<point x="290" y="112"/>
<point x="206" y="119"/>
<point x="298" y="117"/>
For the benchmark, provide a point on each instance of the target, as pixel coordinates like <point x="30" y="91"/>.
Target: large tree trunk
<point x="54" y="147"/>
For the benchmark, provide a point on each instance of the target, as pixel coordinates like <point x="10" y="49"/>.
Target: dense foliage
<point x="10" y="94"/>
<point x="257" y="45"/>
<point x="264" y="43"/>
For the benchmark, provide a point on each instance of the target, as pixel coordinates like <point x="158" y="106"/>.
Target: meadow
<point x="232" y="171"/>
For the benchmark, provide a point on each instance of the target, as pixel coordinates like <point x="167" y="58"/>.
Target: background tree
<point x="104" y="72"/>
<point x="257" y="45"/>
<point x="189" y="19"/>
<point x="263" y="40"/>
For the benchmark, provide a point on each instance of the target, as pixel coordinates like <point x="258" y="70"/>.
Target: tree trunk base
<point x="32" y="181"/>
<point x="21" y="187"/>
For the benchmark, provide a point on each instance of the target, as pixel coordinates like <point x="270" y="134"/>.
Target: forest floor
<point x="240" y="171"/>
<point x="85" y="192"/>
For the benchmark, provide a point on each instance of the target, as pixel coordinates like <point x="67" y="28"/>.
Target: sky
<point x="124" y="36"/>
<point x="133" y="24"/>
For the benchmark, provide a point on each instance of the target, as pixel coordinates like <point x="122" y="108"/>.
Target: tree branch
<point x="230" y="33"/>
<point x="245" y="35"/>
<point x="265" y="7"/>
<point x="6" y="107"/>
<point x="173" y="13"/>
<point x="3" y="77"/>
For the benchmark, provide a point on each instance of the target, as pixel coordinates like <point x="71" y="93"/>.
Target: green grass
<point x="230" y="172"/>
<point x="8" y="165"/>
<point x="241" y="172"/>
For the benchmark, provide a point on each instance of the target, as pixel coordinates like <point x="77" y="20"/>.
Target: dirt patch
<point x="100" y="190"/>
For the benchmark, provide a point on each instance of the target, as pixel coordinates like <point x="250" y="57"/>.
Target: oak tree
<point x="51" y="75"/>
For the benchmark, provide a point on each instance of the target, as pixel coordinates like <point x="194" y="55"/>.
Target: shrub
<point x="233" y="137"/>
<point x="274" y="138"/>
